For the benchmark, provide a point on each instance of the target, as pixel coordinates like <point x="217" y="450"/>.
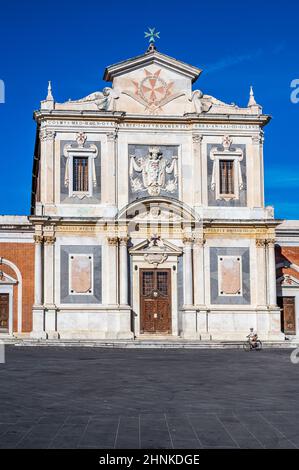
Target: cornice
<point x="149" y="58"/>
<point x="16" y="228"/>
<point x="123" y="120"/>
<point x="271" y="223"/>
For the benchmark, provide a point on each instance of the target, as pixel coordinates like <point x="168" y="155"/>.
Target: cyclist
<point x="252" y="337"/>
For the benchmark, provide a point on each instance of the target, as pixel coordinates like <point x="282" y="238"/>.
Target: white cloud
<point x="232" y="60"/>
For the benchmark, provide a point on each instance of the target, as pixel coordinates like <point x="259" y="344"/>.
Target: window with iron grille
<point x="80" y="174"/>
<point x="226" y="170"/>
<point x="147" y="282"/>
<point x="162" y="282"/>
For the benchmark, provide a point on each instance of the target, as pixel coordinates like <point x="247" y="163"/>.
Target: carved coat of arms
<point x="153" y="168"/>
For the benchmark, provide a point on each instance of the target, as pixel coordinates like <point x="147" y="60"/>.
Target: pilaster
<point x="38" y="239"/>
<point x="199" y="273"/>
<point x="109" y="173"/>
<point x="198" y="177"/>
<point x="272" y="299"/>
<point x="189" y="311"/>
<point x="38" y="312"/>
<point x="113" y="271"/>
<point x="261" y="272"/>
<point x="256" y="184"/>
<point x="47" y="138"/>
<point x="49" y="283"/>
<point x="123" y="270"/>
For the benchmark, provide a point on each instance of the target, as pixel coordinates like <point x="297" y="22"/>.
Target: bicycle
<point x="249" y="346"/>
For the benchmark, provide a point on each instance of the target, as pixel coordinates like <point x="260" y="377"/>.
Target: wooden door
<point x="4" y="311"/>
<point x="288" y="316"/>
<point x="155" y="301"/>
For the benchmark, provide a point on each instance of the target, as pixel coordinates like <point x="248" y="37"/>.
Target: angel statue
<point x="153" y="168"/>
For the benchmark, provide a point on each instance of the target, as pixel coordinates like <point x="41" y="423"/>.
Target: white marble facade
<point x="128" y="180"/>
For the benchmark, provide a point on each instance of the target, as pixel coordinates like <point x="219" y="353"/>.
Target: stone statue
<point x="201" y="103"/>
<point x="154" y="169"/>
<point x="104" y="100"/>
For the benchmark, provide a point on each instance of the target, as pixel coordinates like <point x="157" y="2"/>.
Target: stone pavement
<point x="118" y="398"/>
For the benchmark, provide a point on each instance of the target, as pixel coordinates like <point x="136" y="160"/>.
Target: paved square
<point x="148" y="398"/>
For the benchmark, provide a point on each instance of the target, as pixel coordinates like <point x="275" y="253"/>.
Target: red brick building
<point x="287" y="274"/>
<point x="16" y="275"/>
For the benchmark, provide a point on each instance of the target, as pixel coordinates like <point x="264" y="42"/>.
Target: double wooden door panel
<point x="4" y="311"/>
<point x="155" y="300"/>
<point x="288" y="315"/>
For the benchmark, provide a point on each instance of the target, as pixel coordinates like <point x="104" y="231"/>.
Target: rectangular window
<point x="80" y="174"/>
<point x="147" y="282"/>
<point x="226" y="170"/>
<point x="162" y="282"/>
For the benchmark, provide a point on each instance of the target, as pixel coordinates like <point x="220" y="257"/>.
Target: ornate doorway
<point x="155" y="301"/>
<point x="4" y="312"/>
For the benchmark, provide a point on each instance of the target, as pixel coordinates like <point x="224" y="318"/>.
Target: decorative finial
<point x="81" y="139"/>
<point x="49" y="96"/>
<point x="152" y="35"/>
<point x="227" y="142"/>
<point x="251" y="101"/>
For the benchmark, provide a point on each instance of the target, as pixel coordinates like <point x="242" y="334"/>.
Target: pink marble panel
<point x="230" y="275"/>
<point x="81" y="274"/>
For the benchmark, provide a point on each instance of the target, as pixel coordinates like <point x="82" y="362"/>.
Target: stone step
<point x="146" y="344"/>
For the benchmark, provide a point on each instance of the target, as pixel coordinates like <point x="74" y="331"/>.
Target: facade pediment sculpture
<point x="200" y="103"/>
<point x="104" y="100"/>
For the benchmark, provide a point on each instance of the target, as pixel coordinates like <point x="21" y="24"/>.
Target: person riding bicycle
<point x="252" y="337"/>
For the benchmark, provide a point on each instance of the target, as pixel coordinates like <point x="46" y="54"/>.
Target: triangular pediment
<point x="288" y="280"/>
<point x="6" y="279"/>
<point x="152" y="83"/>
<point x="151" y="58"/>
<point x="156" y="245"/>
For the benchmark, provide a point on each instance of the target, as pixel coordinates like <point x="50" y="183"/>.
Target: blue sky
<point x="70" y="43"/>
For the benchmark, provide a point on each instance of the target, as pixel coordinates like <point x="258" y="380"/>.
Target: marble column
<point x="199" y="272"/>
<point x="113" y="271"/>
<point x="38" y="270"/>
<point x="119" y="317"/>
<point x="109" y="183"/>
<point x="272" y="299"/>
<point x="49" y="282"/>
<point x="38" y="311"/>
<point x="47" y="137"/>
<point x="49" y="270"/>
<point x="261" y="272"/>
<point x="123" y="272"/>
<point x="189" y="311"/>
<point x="188" y="272"/>
<point x="198" y="180"/>
<point x="257" y="170"/>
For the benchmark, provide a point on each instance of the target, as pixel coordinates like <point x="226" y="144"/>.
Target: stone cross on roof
<point x="152" y="34"/>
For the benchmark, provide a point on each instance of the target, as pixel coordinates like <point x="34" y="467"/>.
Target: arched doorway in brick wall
<point x="10" y="282"/>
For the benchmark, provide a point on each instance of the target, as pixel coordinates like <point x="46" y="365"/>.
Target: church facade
<point x="148" y="216"/>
